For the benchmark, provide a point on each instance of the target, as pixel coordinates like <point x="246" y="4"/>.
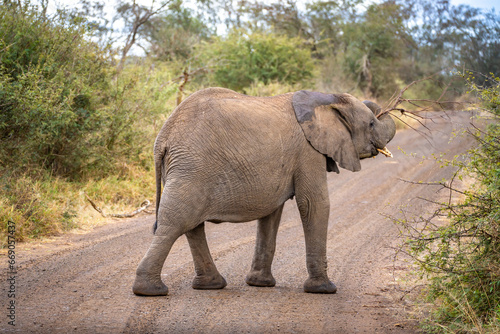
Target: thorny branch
<point x="420" y="105"/>
<point x="143" y="207"/>
<point x="442" y="184"/>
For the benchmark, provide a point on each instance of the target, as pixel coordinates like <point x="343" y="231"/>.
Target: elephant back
<point x="219" y="121"/>
<point x="215" y="102"/>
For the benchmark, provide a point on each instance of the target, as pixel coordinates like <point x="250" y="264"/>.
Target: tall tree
<point x="374" y="47"/>
<point x="174" y="33"/>
<point x="327" y="21"/>
<point x="135" y="16"/>
<point x="453" y="36"/>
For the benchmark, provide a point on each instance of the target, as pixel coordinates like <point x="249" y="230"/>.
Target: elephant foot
<point x="145" y="287"/>
<point x="209" y="282"/>
<point x="319" y="286"/>
<point x="257" y="278"/>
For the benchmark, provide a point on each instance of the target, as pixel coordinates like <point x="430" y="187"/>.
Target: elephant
<point x="223" y="156"/>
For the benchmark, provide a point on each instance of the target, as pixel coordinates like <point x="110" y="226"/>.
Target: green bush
<point x="242" y="58"/>
<point x="42" y="203"/>
<point x="51" y="77"/>
<point x="139" y="101"/>
<point x="62" y="106"/>
<point x="462" y="257"/>
<point x="69" y="124"/>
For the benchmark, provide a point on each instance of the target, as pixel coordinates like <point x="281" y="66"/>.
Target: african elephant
<point x="227" y="157"/>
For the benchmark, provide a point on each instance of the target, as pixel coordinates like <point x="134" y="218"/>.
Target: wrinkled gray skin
<point x="227" y="157"/>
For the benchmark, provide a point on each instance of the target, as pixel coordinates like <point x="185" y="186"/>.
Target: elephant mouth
<point x="375" y="151"/>
<point x="370" y="154"/>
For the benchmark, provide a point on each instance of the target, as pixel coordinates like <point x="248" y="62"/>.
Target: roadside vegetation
<point x="79" y="111"/>
<point x="457" y="246"/>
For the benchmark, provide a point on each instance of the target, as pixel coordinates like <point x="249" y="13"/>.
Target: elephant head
<point x="342" y="128"/>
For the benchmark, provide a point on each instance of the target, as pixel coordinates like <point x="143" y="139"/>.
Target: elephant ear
<point x="326" y="122"/>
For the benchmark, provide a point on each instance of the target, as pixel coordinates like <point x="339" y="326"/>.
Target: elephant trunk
<point x="386" y="128"/>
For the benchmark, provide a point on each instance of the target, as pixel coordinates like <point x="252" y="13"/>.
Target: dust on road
<point x="82" y="283"/>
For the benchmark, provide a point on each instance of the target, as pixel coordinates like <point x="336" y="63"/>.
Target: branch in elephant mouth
<point x="385" y="152"/>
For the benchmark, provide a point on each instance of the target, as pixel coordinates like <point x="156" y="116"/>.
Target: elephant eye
<point x="372" y="123"/>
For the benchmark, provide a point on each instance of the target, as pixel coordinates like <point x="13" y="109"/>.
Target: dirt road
<point x="81" y="283"/>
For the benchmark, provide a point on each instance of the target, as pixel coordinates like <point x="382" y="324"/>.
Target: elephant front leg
<point x="314" y="211"/>
<point x="207" y="275"/>
<point x="265" y="246"/>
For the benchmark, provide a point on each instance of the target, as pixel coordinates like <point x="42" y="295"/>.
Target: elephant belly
<point x="226" y="196"/>
<point x="245" y="202"/>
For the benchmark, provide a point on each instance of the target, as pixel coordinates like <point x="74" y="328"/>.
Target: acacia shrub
<point x="461" y="258"/>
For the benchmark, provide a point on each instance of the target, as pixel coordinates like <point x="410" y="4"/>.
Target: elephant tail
<point x="155" y="226"/>
<point x="159" y="154"/>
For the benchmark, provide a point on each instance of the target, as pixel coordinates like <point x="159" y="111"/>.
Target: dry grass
<point x="47" y="205"/>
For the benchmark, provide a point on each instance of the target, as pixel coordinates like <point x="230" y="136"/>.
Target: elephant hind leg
<point x="178" y="214"/>
<point x="148" y="274"/>
<point x="207" y="275"/>
<point x="265" y="246"/>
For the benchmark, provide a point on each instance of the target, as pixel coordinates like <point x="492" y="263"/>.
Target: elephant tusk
<point x="385" y="152"/>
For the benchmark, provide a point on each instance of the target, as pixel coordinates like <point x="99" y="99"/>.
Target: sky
<point x="485" y="4"/>
<point x="110" y="4"/>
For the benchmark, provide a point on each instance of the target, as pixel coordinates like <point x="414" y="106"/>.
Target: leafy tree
<point x="474" y="37"/>
<point x="173" y="34"/>
<point x="374" y="46"/>
<point x="450" y="36"/>
<point x="327" y="21"/>
<point x="135" y="17"/>
<point x="282" y="17"/>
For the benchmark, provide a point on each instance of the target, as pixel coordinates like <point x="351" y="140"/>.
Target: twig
<point x="184" y="75"/>
<point x="397" y="99"/>
<point x="406" y="292"/>
<point x="143" y="207"/>
<point x="181" y="86"/>
<point x="441" y="184"/>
